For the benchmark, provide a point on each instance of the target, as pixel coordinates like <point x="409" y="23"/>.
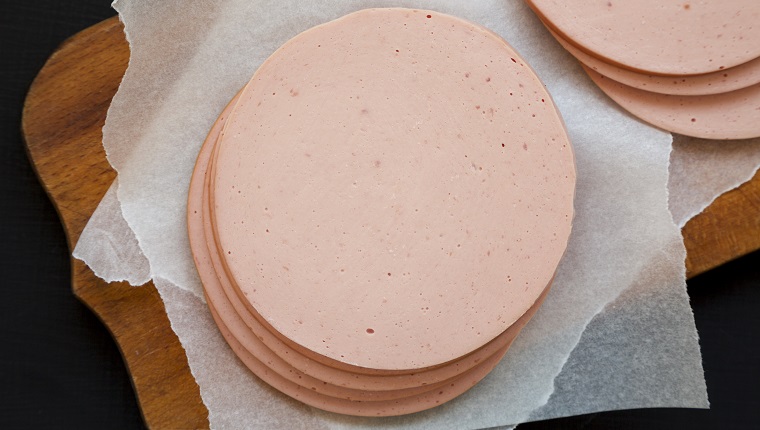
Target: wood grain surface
<point x="62" y="120"/>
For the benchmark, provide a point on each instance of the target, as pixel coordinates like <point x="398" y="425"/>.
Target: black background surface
<point x="60" y="368"/>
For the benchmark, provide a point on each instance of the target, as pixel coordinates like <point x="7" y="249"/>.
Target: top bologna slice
<point x="669" y="37"/>
<point x="393" y="190"/>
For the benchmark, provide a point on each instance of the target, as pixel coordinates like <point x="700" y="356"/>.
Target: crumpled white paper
<point x="625" y="257"/>
<point x="701" y="170"/>
<point x="109" y="246"/>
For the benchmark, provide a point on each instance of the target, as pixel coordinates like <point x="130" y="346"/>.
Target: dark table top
<point x="59" y="366"/>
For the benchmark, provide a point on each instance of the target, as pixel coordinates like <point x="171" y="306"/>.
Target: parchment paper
<point x="625" y="256"/>
<point x="109" y="246"/>
<point x="701" y="170"/>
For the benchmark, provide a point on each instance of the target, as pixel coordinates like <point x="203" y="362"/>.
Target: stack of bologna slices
<point x="690" y="67"/>
<point x="380" y="211"/>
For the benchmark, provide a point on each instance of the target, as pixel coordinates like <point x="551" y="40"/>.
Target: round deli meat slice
<point x="732" y="115"/>
<point x="668" y="37"/>
<point x="393" y="190"/>
<point x="722" y="81"/>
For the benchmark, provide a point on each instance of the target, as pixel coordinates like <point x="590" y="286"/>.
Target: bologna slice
<point x="393" y="190"/>
<point x="668" y="37"/>
<point x="732" y="115"/>
<point x="722" y="81"/>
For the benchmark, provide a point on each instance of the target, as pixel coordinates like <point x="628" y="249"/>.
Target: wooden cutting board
<point x="62" y="120"/>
